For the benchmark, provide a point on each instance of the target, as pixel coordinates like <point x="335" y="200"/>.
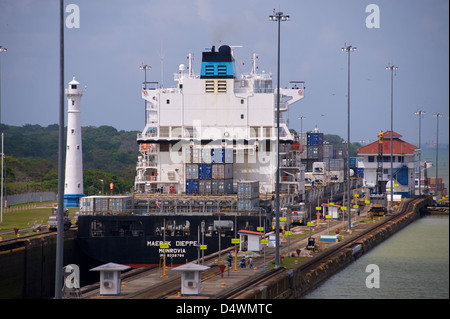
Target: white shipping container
<point x="191" y="171"/>
<point x="188" y="155"/>
<point x="319" y="179"/>
<point x="320" y="167"/>
<point x="196" y="156"/>
<point x="228" y="155"/>
<point x="336" y="176"/>
<point x="206" y="155"/>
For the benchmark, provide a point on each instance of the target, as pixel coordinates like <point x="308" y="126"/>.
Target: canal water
<point x="412" y="264"/>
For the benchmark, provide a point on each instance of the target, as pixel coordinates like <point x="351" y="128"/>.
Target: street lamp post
<point x="437" y="115"/>
<point x="61" y="147"/>
<point x="278" y="16"/>
<point x="145" y="67"/>
<point x="2" y="49"/>
<point x="348" y="49"/>
<point x="392" y="68"/>
<point x="420" y="113"/>
<point x="301" y="117"/>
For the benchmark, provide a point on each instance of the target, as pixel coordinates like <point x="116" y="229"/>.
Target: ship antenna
<point x="161" y="56"/>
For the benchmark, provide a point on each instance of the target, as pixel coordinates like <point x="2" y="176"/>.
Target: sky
<point x="115" y="37"/>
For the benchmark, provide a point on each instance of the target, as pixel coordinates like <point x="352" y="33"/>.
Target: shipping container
<point x="248" y="189"/>
<point x="359" y="172"/>
<point x="320" y="167"/>
<point x="228" y="186"/>
<point x="229" y="158"/>
<point x="196" y="156"/>
<point x="336" y="164"/>
<point x="308" y="164"/>
<point x="335" y="176"/>
<point x="315" y="138"/>
<point x="315" y="152"/>
<point x="340" y="151"/>
<point x="192" y="171"/>
<point x="303" y="138"/>
<point x="304" y="153"/>
<point x="217" y="155"/>
<point x="248" y="204"/>
<point x="352" y="162"/>
<point x="222" y="171"/>
<point x="113" y="204"/>
<point x="192" y="187"/>
<point x="221" y="186"/>
<point x="188" y="155"/>
<point x="206" y="155"/>
<point x="204" y="187"/>
<point x="327" y="151"/>
<point x="204" y="171"/>
<point x="319" y="179"/>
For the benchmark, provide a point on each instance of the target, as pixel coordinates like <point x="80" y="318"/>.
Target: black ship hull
<point x="136" y="240"/>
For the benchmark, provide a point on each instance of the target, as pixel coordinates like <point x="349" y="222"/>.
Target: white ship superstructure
<point x="215" y="129"/>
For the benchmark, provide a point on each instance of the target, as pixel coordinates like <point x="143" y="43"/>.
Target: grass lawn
<point x="288" y="262"/>
<point x="23" y="218"/>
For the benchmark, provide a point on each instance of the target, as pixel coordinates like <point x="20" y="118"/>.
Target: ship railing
<point x="147" y="135"/>
<point x="297" y="85"/>
<point x="144" y="164"/>
<point x="150" y="85"/>
<point x="263" y="90"/>
<point x="146" y="178"/>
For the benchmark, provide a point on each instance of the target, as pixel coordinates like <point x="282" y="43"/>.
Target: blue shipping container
<point x="217" y="155"/>
<point x="352" y="162"/>
<point x="204" y="171"/>
<point x="359" y="172"/>
<point x="192" y="187"/>
<point x="315" y="138"/>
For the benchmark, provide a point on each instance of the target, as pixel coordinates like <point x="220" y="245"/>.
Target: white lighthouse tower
<point x="73" y="188"/>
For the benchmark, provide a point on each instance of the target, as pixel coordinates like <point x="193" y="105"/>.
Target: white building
<point x="73" y="187"/>
<point x="405" y="164"/>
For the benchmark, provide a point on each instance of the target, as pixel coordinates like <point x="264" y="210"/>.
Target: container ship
<point x="206" y="168"/>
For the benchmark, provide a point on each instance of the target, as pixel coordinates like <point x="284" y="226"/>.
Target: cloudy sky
<point x="116" y="36"/>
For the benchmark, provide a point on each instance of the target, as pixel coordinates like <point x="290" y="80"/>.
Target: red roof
<point x="399" y="146"/>
<point x="388" y="134"/>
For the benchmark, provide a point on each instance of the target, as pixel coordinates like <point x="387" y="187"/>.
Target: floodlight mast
<point x="278" y="17"/>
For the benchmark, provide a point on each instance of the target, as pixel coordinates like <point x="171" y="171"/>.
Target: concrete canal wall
<point x="295" y="283"/>
<point x="27" y="265"/>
